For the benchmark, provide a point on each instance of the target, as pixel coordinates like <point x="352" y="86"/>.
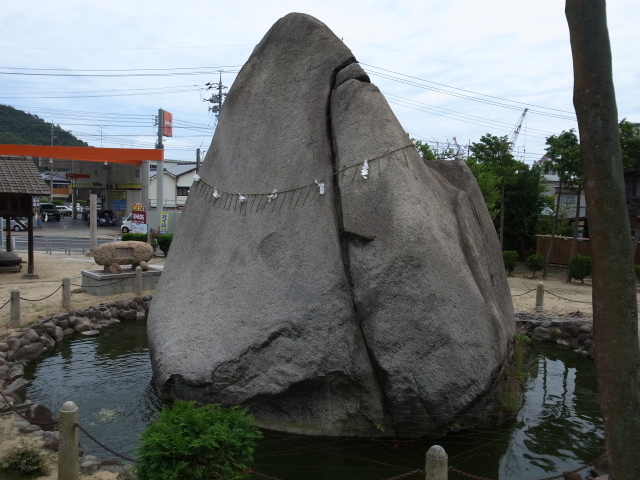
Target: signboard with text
<point x="164" y="222"/>
<point x="138" y="216"/>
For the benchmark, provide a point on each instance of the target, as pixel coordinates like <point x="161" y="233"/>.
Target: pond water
<point x="558" y="428"/>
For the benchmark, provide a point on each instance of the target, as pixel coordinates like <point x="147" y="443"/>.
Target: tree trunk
<point x="615" y="314"/>
<point x="502" y="214"/>
<point x="553" y="232"/>
<point x="574" y="244"/>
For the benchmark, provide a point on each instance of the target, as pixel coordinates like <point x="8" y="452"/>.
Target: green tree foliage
<point x="489" y="184"/>
<point x="579" y="267"/>
<point x="524" y="201"/>
<point x="22" y="128"/>
<point x="630" y="144"/>
<point x="495" y="153"/>
<point x="198" y="443"/>
<point x="535" y="263"/>
<point x="510" y="258"/>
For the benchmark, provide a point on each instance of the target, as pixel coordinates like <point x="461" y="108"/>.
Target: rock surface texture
<point x="359" y="298"/>
<point x="114" y="254"/>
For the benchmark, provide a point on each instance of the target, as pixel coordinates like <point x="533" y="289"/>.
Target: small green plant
<point x="510" y="402"/>
<point x="510" y="257"/>
<point x="522" y="338"/>
<point x="136" y="237"/>
<point x="198" y="443"/>
<point x="164" y="242"/>
<point x="25" y="459"/>
<point x="580" y="267"/>
<point x="535" y="263"/>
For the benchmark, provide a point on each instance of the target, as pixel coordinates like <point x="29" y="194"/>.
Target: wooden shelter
<point x="20" y="181"/>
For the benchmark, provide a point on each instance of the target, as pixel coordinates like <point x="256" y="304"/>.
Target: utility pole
<point x="216" y="99"/>
<point x="198" y="164"/>
<point x="160" y="169"/>
<point x="51" y="168"/>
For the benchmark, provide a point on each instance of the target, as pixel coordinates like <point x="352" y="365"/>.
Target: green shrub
<point x="198" y="443"/>
<point x="579" y="267"/>
<point x="25" y="459"/>
<point x="637" y="268"/>
<point x="535" y="263"/>
<point x="510" y="257"/>
<point x="164" y="242"/>
<point x="136" y="237"/>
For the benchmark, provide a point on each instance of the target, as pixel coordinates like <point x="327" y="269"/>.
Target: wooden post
<point x="66" y="293"/>
<point x="15" y="308"/>
<point x="539" y="297"/>
<point x="437" y="464"/>
<point x="68" y="459"/>
<point x="138" y="281"/>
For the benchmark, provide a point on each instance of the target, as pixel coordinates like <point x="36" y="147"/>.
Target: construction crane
<point x="516" y="131"/>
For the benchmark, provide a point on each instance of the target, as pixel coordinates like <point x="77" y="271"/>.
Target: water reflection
<point x="558" y="428"/>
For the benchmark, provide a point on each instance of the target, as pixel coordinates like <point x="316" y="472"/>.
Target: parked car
<point x="105" y="218"/>
<point x="16" y="224"/>
<point x="126" y="224"/>
<point x="64" y="210"/>
<point x="50" y="210"/>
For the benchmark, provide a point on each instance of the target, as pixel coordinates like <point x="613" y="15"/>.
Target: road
<point x="67" y="235"/>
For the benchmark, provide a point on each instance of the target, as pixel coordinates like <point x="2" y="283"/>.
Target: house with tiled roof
<point x="177" y="182"/>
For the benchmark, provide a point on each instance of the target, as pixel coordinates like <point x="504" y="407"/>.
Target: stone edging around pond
<point x="29" y="342"/>
<point x="573" y="333"/>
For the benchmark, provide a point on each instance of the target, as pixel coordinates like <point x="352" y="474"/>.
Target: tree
<point x="525" y="202"/>
<point x="615" y="309"/>
<point x="489" y="184"/>
<point x="494" y="152"/>
<point x="563" y="152"/>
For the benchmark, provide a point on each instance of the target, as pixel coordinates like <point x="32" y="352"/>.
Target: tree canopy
<point x="22" y="128"/>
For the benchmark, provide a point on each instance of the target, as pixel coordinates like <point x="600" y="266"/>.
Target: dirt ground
<point x="561" y="299"/>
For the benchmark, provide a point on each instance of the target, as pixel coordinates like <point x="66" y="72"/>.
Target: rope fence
<point x="436" y="464"/>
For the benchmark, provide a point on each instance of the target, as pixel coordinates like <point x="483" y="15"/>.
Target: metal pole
<point x="539" y="297"/>
<point x="15" y="308"/>
<point x="437" y="464"/>
<point x="159" y="171"/>
<point x="68" y="463"/>
<point x="66" y="293"/>
<point x="93" y="222"/>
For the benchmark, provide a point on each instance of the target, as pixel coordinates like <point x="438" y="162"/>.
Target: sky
<point x="449" y="69"/>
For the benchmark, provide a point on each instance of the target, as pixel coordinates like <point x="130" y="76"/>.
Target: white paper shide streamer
<point x="216" y="193"/>
<point x="320" y="186"/>
<point x="196" y="177"/>
<point x="242" y="198"/>
<point x="365" y="169"/>
<point x="272" y="196"/>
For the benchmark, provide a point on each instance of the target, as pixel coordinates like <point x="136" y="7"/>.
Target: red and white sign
<point x="138" y="217"/>
<point x="167" y="124"/>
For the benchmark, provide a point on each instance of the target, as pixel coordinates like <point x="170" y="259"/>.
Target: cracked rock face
<point x="379" y="308"/>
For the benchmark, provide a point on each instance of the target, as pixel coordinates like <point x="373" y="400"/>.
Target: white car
<point x="16" y="226"/>
<point x="64" y="210"/>
<point x="126" y="224"/>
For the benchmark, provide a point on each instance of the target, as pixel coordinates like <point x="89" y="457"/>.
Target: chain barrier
<point x="5" y="304"/>
<point x="106" y="284"/>
<point x="567" y="299"/>
<point x="577" y="469"/>
<point x="40" y="299"/>
<point x="407" y="474"/>
<point x="521" y="294"/>
<point x="468" y="475"/>
<point x="14" y="410"/>
<point x="262" y="475"/>
<point x="99" y="443"/>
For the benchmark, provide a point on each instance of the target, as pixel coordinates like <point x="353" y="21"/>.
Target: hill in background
<point x="22" y="128"/>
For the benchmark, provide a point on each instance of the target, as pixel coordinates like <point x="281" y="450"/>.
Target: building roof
<point x="47" y="176"/>
<point x="177" y="170"/>
<point x="20" y="175"/>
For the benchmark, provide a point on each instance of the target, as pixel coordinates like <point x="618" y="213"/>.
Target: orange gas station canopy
<point x="130" y="156"/>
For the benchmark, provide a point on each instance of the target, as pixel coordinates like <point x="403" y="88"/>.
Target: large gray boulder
<point x="378" y="308"/>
